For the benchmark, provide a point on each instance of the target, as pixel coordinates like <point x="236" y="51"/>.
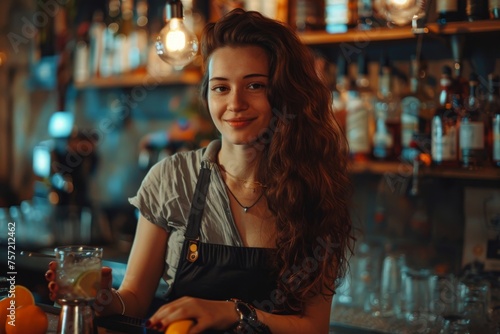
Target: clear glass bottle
<point x="444" y="132"/>
<point x="477" y="10"/>
<point x="307" y="15"/>
<point x="492" y="110"/>
<point x="340" y="90"/>
<point x="365" y="14"/>
<point x="387" y="135"/>
<point x="450" y="11"/>
<point x="417" y="109"/>
<point x="472" y="129"/>
<point x="357" y="125"/>
<point x="359" y="113"/>
<point x="494" y="9"/>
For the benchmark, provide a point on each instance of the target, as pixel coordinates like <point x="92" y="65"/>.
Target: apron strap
<point x="198" y="202"/>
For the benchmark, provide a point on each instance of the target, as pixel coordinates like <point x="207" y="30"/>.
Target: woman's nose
<point x="237" y="101"/>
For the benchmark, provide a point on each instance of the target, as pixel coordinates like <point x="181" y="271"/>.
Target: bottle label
<point x="444" y="141"/>
<point x="496" y="138"/>
<point x="472" y="135"/>
<point x="357" y="130"/>
<point x="446" y="6"/>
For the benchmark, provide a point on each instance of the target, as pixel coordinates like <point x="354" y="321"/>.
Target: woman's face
<point x="237" y="93"/>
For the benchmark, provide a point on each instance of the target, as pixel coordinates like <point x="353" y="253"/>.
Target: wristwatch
<point x="248" y="318"/>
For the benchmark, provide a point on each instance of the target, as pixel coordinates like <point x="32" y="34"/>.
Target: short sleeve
<point x="150" y="197"/>
<point x="164" y="197"/>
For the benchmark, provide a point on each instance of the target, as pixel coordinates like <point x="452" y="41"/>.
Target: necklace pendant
<point x="245" y="209"/>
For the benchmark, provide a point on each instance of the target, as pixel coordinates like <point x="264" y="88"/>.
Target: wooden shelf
<point x="398" y="33"/>
<point x="486" y="173"/>
<point x="405" y="169"/>
<point x="144" y="80"/>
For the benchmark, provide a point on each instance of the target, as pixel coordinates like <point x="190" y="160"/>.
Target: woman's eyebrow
<point x="254" y="75"/>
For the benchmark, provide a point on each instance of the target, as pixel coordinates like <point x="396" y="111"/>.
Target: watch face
<point x="244" y="309"/>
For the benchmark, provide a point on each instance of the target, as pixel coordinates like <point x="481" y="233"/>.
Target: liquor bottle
<point x="107" y="62"/>
<point x="417" y="109"/>
<point x="477" y="10"/>
<point x="337" y="16"/>
<point x="472" y="128"/>
<point x="306" y="15"/>
<point x="140" y="34"/>
<point x="444" y="125"/>
<point x="366" y="94"/>
<point x="352" y="18"/>
<point x="357" y="125"/>
<point x="460" y="84"/>
<point x="492" y="110"/>
<point x="387" y="136"/>
<point x="450" y="11"/>
<point x="122" y="43"/>
<point x="340" y="91"/>
<point x="494" y="9"/>
<point x="45" y="36"/>
<point x="365" y="15"/>
<point x="363" y="81"/>
<point x="96" y="32"/>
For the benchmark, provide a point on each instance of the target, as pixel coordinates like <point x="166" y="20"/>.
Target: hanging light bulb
<point x="175" y="44"/>
<point x="401" y="12"/>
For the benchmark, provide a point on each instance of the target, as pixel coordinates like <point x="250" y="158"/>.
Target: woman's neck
<point x="239" y="162"/>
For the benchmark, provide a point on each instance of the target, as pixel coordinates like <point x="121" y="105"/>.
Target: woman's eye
<point x="219" y="89"/>
<point x="256" y="86"/>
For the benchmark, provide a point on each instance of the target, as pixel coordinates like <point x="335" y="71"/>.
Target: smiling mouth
<point x="238" y="122"/>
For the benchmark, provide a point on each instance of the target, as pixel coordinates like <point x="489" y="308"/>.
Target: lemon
<point x="179" y="327"/>
<point x="88" y="283"/>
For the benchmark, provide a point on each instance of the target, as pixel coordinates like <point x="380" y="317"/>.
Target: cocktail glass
<point x="78" y="279"/>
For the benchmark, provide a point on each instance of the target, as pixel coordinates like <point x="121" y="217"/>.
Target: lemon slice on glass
<point x="88" y="283"/>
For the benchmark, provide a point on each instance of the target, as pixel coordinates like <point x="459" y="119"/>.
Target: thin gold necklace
<point x="245" y="208"/>
<point x="243" y="181"/>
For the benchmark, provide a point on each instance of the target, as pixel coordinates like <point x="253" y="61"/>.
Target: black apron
<point x="220" y="272"/>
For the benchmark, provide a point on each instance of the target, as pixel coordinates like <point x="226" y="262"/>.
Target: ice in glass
<point x="78" y="272"/>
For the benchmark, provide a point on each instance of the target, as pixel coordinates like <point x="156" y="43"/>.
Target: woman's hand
<point x="50" y="276"/>
<point x="206" y="314"/>
<point x="104" y="295"/>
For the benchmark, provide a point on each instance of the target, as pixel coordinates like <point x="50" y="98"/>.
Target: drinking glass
<point x="477" y="302"/>
<point x="79" y="279"/>
<point x="448" y="303"/>
<point x="417" y="286"/>
<point x="390" y="286"/>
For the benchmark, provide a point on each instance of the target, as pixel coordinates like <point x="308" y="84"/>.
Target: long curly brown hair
<point x="304" y="159"/>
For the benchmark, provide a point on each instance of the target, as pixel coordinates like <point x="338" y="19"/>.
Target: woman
<point x="260" y="218"/>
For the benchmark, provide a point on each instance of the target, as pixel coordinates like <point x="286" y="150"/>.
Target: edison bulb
<point x="176" y="45"/>
<point x="400" y="12"/>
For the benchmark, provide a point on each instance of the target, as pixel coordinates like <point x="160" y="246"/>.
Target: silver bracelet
<point x="120" y="299"/>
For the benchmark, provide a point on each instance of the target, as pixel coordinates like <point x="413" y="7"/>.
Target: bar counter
<point x="103" y="327"/>
<point x="343" y="320"/>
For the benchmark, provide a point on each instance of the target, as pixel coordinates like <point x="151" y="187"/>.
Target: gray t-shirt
<point x="165" y="195"/>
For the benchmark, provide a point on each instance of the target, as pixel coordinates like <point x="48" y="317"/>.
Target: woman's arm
<point x="316" y="318"/>
<point x="144" y="269"/>
<point x="222" y="315"/>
